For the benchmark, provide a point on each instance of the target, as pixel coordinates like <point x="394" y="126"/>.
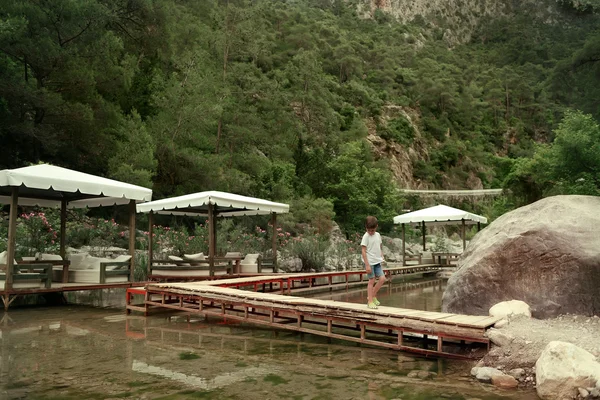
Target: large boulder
<point x="562" y="369"/>
<point x="545" y="254"/>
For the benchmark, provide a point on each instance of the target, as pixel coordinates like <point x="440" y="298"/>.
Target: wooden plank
<point x="471" y="320"/>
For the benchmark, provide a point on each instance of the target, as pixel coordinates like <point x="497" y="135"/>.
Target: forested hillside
<point x="331" y="105"/>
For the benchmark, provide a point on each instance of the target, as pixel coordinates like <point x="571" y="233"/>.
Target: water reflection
<point x="220" y="381"/>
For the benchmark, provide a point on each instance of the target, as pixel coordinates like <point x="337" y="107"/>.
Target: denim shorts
<point x="376" y="271"/>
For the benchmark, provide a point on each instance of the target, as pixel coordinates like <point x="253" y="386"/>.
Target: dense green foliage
<point x="275" y="99"/>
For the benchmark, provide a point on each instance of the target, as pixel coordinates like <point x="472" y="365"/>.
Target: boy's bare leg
<point x="378" y="286"/>
<point x="370" y="287"/>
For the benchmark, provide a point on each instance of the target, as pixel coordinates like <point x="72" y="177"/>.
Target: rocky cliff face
<point x="400" y="158"/>
<point x="457" y="18"/>
<point x="546" y="254"/>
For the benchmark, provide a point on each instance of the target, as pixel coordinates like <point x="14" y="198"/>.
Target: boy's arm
<point x="364" y="256"/>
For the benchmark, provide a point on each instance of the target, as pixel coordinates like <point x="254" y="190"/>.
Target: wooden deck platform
<point x="388" y="327"/>
<point x="8" y="296"/>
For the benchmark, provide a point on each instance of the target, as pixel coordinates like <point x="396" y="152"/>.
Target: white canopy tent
<point x="438" y="215"/>
<point x="213" y="204"/>
<point x="48" y="186"/>
<point x="51" y="186"/>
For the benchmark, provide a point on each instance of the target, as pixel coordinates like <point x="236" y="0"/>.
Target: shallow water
<point x="82" y="352"/>
<point x="418" y="294"/>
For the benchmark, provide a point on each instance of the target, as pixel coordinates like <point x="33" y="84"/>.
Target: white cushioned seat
<point x="121" y="258"/>
<point x="195" y="257"/>
<point x="250" y="263"/>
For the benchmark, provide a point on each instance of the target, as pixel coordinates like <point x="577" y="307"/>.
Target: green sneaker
<point x="372" y="305"/>
<point x="376" y="301"/>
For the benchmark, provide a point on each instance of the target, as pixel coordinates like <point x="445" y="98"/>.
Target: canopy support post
<point x="274" y="240"/>
<point x="464" y="236"/>
<point x="63" y="234"/>
<point x="478" y="226"/>
<point x="150" y="242"/>
<point x="403" y="245"/>
<point x="423" y="230"/>
<point x="12" y="233"/>
<point x="131" y="239"/>
<point x="63" y="228"/>
<point x="211" y="239"/>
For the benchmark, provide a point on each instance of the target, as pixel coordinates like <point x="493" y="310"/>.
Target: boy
<point x="372" y="255"/>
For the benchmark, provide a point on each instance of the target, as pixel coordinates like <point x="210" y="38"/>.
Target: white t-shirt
<point x="373" y="245"/>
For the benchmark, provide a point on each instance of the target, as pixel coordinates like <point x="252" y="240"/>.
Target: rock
<point x="485" y="374"/>
<point x="510" y="308"/>
<point x="583" y="393"/>
<point x="499" y="338"/>
<point x="291" y="264"/>
<point x="421" y="374"/>
<point x="504" y="381"/>
<point x="543" y="254"/>
<point x="426" y="375"/>
<point x="517" y="373"/>
<point x="501" y="323"/>
<point x="563" y="368"/>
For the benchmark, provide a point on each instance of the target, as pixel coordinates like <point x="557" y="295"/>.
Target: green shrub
<point x="35" y="234"/>
<point x="398" y="130"/>
<point x="311" y="250"/>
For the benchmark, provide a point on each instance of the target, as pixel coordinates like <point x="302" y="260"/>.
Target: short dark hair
<point x="371" y="222"/>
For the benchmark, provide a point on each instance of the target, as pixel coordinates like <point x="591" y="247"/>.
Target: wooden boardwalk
<point x="424" y="332"/>
<point x="288" y="283"/>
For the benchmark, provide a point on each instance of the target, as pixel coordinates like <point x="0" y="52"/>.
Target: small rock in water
<point x="583" y="393"/>
<point x="504" y="381"/>
<point x="517" y="373"/>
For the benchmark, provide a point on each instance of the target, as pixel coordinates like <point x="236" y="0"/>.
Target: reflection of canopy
<point x="50" y="186"/>
<point x="439" y="215"/>
<point x="223" y="204"/>
<point x="47" y="186"/>
<point x="213" y="204"/>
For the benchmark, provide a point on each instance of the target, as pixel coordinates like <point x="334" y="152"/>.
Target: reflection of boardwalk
<point x="386" y="327"/>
